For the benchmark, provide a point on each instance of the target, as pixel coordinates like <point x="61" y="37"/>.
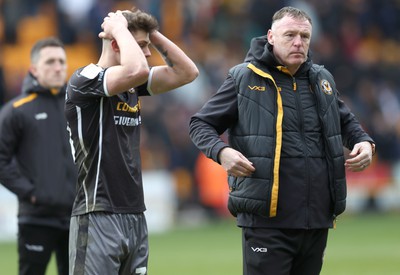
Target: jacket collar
<point x="31" y="85"/>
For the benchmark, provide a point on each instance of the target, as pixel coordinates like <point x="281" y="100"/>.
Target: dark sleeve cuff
<point x="216" y="149"/>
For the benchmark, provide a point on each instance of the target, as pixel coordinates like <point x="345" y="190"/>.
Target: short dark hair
<point x="43" y="43"/>
<point x="292" y="12"/>
<point x="139" y="20"/>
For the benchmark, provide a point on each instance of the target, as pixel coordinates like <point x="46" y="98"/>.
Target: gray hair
<point x="291" y="12"/>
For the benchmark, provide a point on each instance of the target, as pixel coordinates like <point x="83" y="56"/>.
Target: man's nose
<point x="59" y="66"/>
<point x="297" y="40"/>
<point x="146" y="52"/>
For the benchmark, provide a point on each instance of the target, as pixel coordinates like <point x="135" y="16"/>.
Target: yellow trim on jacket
<point x="24" y="100"/>
<point x="278" y="146"/>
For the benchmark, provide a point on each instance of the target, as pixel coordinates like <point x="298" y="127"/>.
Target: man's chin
<point x="57" y="85"/>
<point x="297" y="61"/>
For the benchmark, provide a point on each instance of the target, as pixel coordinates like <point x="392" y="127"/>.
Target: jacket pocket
<point x="249" y="195"/>
<point x="340" y="196"/>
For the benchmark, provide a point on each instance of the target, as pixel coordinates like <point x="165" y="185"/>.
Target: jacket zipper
<point x="301" y="124"/>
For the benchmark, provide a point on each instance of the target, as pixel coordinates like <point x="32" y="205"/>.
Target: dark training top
<point x="106" y="135"/>
<point x="35" y="155"/>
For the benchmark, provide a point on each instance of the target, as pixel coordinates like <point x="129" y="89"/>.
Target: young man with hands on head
<point x="108" y="227"/>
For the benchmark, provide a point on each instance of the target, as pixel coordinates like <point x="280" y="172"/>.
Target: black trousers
<point x="283" y="251"/>
<point x="35" y="246"/>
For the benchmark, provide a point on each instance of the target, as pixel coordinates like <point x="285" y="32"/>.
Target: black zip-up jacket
<point x="293" y="128"/>
<point x="35" y="155"/>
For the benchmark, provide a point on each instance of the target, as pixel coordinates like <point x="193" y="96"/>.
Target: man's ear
<point x="270" y="37"/>
<point x="33" y="70"/>
<point x="114" y="45"/>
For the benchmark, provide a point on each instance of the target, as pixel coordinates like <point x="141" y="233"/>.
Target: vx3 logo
<point x="41" y="116"/>
<point x="257" y="88"/>
<point x="259" y="249"/>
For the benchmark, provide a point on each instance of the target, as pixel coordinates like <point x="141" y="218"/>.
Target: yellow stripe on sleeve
<point x="24" y="100"/>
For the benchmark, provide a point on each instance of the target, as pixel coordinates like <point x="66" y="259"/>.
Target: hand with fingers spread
<point x="112" y="23"/>
<point x="360" y="157"/>
<point x="235" y="163"/>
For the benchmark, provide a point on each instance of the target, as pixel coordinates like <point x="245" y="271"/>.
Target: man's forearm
<point x="179" y="69"/>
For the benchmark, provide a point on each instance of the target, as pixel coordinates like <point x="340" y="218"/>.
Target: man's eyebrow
<point x="147" y="42"/>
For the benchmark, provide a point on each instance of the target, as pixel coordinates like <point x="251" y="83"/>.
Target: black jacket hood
<point x="261" y="52"/>
<point x="31" y="85"/>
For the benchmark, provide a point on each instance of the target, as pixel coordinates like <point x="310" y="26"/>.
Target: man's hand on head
<point x="112" y="23"/>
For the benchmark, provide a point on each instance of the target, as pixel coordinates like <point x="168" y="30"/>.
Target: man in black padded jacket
<point x="36" y="162"/>
<point x="285" y="160"/>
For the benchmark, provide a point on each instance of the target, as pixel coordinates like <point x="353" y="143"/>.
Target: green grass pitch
<point x="360" y="245"/>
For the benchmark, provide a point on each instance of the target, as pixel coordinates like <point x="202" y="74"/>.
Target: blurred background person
<point x="36" y="161"/>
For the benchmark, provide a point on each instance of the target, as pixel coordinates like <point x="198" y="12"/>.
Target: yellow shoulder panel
<point x="24" y="100"/>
